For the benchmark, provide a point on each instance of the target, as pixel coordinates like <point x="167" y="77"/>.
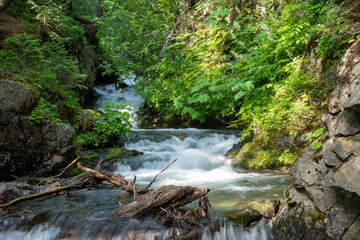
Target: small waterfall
<point x="261" y="231"/>
<point x="200" y="162"/>
<point x="111" y="93"/>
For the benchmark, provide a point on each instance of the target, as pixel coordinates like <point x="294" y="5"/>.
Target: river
<point x="201" y="161"/>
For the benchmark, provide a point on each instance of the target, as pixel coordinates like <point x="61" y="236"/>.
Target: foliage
<point x="132" y="32"/>
<point x="106" y="125"/>
<point x="244" y="61"/>
<point x="49" y="70"/>
<point x="52" y="17"/>
<point x="316" y="134"/>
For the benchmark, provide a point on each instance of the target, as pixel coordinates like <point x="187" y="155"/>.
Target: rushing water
<point x="200" y="161"/>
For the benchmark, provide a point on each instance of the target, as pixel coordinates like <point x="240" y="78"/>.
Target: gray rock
<point x="323" y="199"/>
<point x="333" y="102"/>
<point x="12" y="190"/>
<point x="306" y="171"/>
<point x="346" y="177"/>
<point x="349" y="67"/>
<point x="344" y="147"/>
<point x="350" y="96"/>
<point x="16" y="98"/>
<point x="29" y="148"/>
<point x="343" y="214"/>
<point x="353" y="231"/>
<point x="347" y="123"/>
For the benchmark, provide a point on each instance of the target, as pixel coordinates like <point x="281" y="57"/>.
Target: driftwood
<point x="160" y="199"/>
<point x="115" y="179"/>
<point x="150" y="201"/>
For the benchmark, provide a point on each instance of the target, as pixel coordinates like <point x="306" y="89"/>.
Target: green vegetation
<point x="260" y="65"/>
<point x="39" y="56"/>
<point x="106" y="126"/>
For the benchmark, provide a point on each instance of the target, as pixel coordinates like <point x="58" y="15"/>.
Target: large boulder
<point x="15" y="97"/>
<point x="25" y="146"/>
<point x="323" y="202"/>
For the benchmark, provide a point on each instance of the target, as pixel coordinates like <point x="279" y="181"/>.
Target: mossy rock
<point x="246" y="216"/>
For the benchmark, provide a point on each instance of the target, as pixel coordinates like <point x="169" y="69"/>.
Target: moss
<point x="116" y="152"/>
<point x="83" y="175"/>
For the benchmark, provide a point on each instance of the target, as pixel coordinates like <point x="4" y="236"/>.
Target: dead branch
<point x="56" y="176"/>
<point x="20" y="199"/>
<point x="160" y="173"/>
<point x="115" y="179"/>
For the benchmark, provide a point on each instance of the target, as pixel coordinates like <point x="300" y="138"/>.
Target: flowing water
<point x="200" y="162"/>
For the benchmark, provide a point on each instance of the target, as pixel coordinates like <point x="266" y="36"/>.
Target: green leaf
<point x="316" y="145"/>
<point x="308" y="137"/>
<point x="318" y="132"/>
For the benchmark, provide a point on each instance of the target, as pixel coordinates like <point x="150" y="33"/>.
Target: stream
<point x="201" y="161"/>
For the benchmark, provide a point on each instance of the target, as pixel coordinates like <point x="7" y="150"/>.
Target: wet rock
<point x="16" y="98"/>
<point x="246" y="216"/>
<point x="255" y="212"/>
<point x="12" y="190"/>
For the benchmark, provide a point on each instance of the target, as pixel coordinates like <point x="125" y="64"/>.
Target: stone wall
<point x="324" y="201"/>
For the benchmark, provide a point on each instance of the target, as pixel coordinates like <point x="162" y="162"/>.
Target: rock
<point x="16" y="98"/>
<point x="346" y="177"/>
<point x="333" y="102"/>
<point x="349" y="67"/>
<point x="299" y="218"/>
<point x="347" y="123"/>
<point x="246" y="216"/>
<point x="306" y="171"/>
<point x="255" y="212"/>
<point x="329" y="156"/>
<point x="324" y="201"/>
<point x="353" y="231"/>
<point x="350" y="96"/>
<point x="30" y="148"/>
<point x="344" y="147"/>
<point x="12" y="190"/>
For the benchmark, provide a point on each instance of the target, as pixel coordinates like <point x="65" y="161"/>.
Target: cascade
<point x="200" y="162"/>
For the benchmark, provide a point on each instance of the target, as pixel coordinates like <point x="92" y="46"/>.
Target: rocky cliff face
<point x="323" y="202"/>
<point x="27" y="147"/>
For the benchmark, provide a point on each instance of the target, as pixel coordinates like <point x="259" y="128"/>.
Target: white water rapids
<point x="200" y="162"/>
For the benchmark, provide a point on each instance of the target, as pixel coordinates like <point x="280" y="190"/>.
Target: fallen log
<point x="160" y="199"/>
